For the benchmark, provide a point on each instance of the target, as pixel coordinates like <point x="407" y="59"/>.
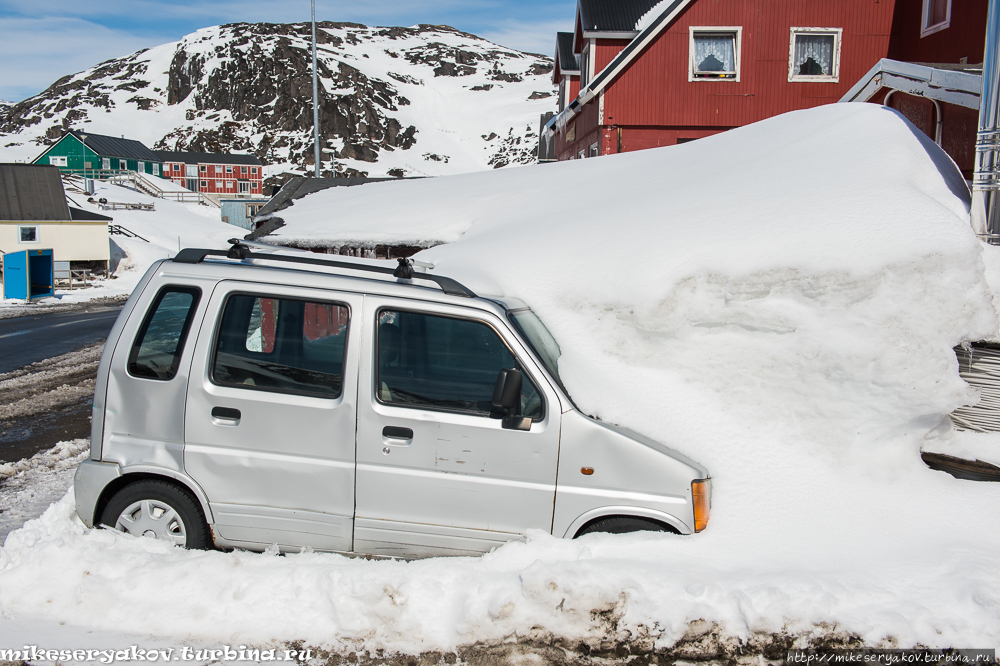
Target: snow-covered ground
<point x="778" y="302"/>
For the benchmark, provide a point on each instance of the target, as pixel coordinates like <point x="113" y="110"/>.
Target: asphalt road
<point x="25" y="340"/>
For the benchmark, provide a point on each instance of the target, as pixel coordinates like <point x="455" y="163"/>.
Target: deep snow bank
<point x="778" y="302"/>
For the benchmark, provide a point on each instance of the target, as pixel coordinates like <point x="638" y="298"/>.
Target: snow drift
<point x="779" y="302"/>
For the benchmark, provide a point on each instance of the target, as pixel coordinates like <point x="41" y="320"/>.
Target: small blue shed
<point x="28" y="274"/>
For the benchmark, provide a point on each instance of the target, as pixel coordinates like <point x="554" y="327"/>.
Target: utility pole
<point x="986" y="177"/>
<point x="315" y="93"/>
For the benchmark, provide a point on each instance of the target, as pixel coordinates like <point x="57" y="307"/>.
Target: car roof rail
<point x="403" y="271"/>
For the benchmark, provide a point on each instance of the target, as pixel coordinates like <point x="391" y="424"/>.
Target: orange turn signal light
<point x="701" y="496"/>
<point x="587" y="470"/>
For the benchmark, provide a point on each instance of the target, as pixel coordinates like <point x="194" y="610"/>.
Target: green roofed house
<point x="100" y="156"/>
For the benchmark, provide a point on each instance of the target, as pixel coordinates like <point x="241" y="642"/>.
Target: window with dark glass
<point x="444" y="363"/>
<point x="936" y="16"/>
<point x="157" y="350"/>
<point x="713" y="54"/>
<point x="282" y="345"/>
<point x="815" y="54"/>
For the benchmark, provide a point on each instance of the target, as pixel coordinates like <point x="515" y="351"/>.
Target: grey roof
<point x="32" y="192"/>
<point x="568" y="61"/>
<point x="296" y="188"/>
<point x="206" y="158"/>
<point x="81" y="214"/>
<point x="111" y="146"/>
<point x="299" y="186"/>
<point x="613" y="15"/>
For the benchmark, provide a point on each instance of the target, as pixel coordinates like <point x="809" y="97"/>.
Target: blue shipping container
<point x="28" y="274"/>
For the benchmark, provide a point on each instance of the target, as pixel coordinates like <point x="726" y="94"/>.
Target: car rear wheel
<point x="623" y="525"/>
<point x="158" y="510"/>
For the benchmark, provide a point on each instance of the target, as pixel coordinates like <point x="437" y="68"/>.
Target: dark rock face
<point x="248" y="88"/>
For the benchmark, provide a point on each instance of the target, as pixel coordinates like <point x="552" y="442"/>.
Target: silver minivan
<point x="261" y="396"/>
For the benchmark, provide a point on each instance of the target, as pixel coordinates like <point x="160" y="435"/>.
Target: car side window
<point x="444" y="363"/>
<point x="282" y="345"/>
<point x="157" y="349"/>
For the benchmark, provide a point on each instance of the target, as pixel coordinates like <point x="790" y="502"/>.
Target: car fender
<point x="638" y="512"/>
<point x="183" y="479"/>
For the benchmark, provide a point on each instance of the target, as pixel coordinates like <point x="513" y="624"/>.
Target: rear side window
<point x="158" y="347"/>
<point x="444" y="363"/>
<point x="282" y="345"/>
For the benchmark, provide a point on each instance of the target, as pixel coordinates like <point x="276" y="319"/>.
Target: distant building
<point x="215" y="173"/>
<point x="240" y="212"/>
<point x="34" y="215"/>
<point x="933" y="72"/>
<point x="693" y="68"/>
<point x="99" y="156"/>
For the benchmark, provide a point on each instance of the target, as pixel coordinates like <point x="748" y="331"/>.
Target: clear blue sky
<point x="42" y="40"/>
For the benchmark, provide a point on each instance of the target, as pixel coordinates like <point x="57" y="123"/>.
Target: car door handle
<point x="228" y="415"/>
<point x="395" y="432"/>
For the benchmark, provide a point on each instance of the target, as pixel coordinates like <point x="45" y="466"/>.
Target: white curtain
<point x="814" y="55"/>
<point x="715" y="53"/>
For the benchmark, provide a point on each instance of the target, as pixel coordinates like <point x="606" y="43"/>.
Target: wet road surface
<point x="26" y="340"/>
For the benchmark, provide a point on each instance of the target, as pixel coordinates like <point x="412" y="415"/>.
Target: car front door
<point x="437" y="474"/>
<point x="270" y="418"/>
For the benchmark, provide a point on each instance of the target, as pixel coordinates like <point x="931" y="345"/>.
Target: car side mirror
<point x="507" y="397"/>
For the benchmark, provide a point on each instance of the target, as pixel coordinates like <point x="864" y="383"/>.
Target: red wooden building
<point x="932" y="73"/>
<point x="656" y="74"/>
<point x="651" y="73"/>
<point x="214" y="173"/>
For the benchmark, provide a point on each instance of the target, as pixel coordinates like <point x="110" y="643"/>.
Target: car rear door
<point x="271" y="412"/>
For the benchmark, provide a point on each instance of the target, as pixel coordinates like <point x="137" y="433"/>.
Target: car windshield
<point x="540" y="340"/>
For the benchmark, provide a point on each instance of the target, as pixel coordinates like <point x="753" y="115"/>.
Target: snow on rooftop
<point x="778" y="302"/>
<point x="649" y="17"/>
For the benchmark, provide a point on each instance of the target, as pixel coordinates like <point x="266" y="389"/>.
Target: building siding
<point x="964" y="38"/>
<point x="655" y="104"/>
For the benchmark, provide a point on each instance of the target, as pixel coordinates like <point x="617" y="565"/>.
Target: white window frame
<point x="714" y="29"/>
<point x="925" y="16"/>
<point x="229" y="185"/>
<point x="581" y="155"/>
<point x="156" y="169"/>
<point x="837" y="33"/>
<point x="595" y="150"/>
<point x="106" y="163"/>
<point x="140" y="167"/>
<point x="218" y="184"/>
<point x="38" y="234"/>
<point x="57" y="160"/>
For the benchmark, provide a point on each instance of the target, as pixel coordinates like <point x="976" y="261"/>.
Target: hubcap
<point x="152" y="518"/>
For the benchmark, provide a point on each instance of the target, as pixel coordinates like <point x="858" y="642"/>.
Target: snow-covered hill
<point x="426" y="100"/>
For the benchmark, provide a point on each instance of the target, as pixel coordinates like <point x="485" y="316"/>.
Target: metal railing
<point x="138" y="182"/>
<point x="119" y="230"/>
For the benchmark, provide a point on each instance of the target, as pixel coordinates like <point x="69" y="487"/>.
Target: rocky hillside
<point x="426" y="100"/>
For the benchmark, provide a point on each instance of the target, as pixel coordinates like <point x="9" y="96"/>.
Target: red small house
<point x="214" y="173"/>
<point x="657" y="74"/>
